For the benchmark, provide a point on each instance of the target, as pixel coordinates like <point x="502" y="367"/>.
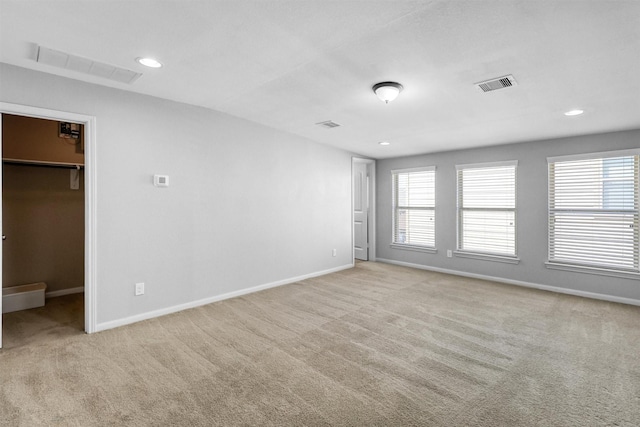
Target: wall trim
<point x="90" y="194"/>
<point x="180" y="307"/>
<point x="556" y="289"/>
<point x="62" y="292"/>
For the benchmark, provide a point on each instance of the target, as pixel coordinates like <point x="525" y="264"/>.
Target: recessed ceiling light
<point x="149" y="62"/>
<point x="384" y="143"/>
<point x="574" y="113"/>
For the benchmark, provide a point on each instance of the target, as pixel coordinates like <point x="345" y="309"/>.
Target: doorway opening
<point x="363" y="209"/>
<point x="47" y="215"/>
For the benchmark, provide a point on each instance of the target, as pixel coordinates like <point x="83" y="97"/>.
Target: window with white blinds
<point x="593" y="210"/>
<point x="487" y="208"/>
<point x="414" y="202"/>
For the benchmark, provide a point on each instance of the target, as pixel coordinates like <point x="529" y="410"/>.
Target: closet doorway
<point x="47" y="210"/>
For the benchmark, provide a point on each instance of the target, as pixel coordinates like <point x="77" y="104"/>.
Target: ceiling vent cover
<point x="55" y="58"/>
<point x="497" y="83"/>
<point x="328" y="124"/>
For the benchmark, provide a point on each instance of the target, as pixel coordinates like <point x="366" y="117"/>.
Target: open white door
<point x="363" y="189"/>
<point x="360" y="211"/>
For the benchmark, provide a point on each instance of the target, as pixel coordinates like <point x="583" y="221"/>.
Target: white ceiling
<point x="291" y="64"/>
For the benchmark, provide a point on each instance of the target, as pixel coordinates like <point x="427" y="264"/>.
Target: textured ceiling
<point x="291" y="64"/>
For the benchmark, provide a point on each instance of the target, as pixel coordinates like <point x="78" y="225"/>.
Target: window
<point x="593" y="210"/>
<point x="414" y="201"/>
<point x="487" y="210"/>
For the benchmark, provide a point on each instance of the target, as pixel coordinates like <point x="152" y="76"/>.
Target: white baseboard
<point x="556" y="289"/>
<point x="173" y="309"/>
<point x="61" y="292"/>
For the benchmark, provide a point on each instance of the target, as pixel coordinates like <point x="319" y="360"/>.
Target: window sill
<point x="414" y="248"/>
<point x="497" y="258"/>
<point x="592" y="270"/>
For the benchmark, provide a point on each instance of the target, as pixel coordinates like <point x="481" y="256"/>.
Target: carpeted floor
<point x="376" y="345"/>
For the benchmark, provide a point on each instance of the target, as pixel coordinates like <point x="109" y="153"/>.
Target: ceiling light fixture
<point x="384" y="143"/>
<point x="149" y="62"/>
<point x="574" y="113"/>
<point x="387" y="91"/>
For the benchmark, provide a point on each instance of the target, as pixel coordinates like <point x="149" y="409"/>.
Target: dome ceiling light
<point x="387" y="91"/>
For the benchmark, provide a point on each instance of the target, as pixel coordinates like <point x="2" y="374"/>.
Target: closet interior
<point x="43" y="206"/>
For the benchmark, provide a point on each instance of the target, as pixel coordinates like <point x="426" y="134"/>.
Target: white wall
<point x="531" y="213"/>
<point x="247" y="205"/>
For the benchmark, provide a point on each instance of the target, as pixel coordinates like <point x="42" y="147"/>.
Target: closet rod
<point x="42" y="163"/>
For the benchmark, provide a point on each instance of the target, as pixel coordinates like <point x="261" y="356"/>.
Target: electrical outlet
<point x="139" y="289"/>
<point x="334" y="253"/>
<point x="449" y="253"/>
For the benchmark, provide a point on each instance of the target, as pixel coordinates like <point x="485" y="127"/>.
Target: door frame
<point x="90" y="211"/>
<point x="371" y="225"/>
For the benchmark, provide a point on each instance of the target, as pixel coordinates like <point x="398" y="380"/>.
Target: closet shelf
<point x="42" y="163"/>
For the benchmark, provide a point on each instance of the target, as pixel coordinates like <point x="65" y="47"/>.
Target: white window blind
<point x="593" y="211"/>
<point x="414" y="201"/>
<point x="487" y="208"/>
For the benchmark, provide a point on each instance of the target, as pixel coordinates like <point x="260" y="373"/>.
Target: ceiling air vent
<point x="328" y="124"/>
<point x="497" y="83"/>
<point x="55" y="58"/>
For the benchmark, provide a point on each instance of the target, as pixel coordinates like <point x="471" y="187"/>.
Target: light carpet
<point x="376" y="345"/>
